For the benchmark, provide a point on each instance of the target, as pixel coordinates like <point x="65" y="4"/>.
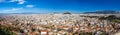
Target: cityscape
<point x="59" y="17"/>
<point x="60" y="24"/>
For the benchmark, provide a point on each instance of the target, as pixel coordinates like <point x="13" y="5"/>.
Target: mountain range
<point x="103" y="12"/>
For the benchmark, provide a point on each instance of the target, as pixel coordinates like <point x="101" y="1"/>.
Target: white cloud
<point x="29" y="6"/>
<point x="13" y="9"/>
<point x="19" y="1"/>
<point x="2" y="1"/>
<point x="12" y="0"/>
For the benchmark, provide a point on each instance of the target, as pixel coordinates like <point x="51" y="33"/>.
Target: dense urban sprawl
<point x="58" y="24"/>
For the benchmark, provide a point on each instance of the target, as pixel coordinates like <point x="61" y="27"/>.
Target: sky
<point x="50" y="6"/>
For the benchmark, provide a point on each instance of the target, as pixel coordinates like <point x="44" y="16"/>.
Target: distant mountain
<point x="31" y="13"/>
<point x="103" y="12"/>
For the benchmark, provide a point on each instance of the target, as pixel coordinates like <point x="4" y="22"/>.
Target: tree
<point x="66" y="13"/>
<point x="6" y="30"/>
<point x="21" y="31"/>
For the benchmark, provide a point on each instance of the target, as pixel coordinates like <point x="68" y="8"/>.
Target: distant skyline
<point x="50" y="6"/>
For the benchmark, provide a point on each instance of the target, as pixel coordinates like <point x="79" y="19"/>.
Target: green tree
<point x="66" y="13"/>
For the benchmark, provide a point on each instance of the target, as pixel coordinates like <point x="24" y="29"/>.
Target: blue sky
<point x="50" y="6"/>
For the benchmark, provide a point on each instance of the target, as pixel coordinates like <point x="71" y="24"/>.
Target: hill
<point x="103" y="12"/>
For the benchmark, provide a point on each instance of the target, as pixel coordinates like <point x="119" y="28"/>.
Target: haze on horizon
<point x="48" y="6"/>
